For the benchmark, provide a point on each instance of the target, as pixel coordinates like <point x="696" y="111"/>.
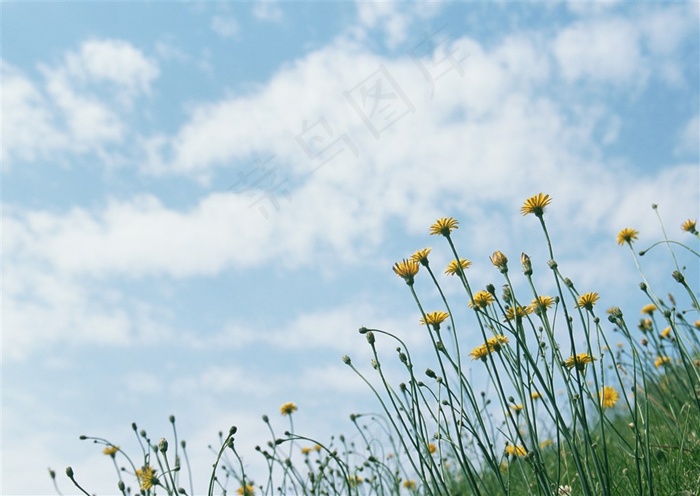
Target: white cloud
<point x="267" y="10"/>
<point x="225" y="26"/>
<point x="79" y="106"/>
<point x="394" y="19"/>
<point x="689" y="138"/>
<point x="601" y="50"/>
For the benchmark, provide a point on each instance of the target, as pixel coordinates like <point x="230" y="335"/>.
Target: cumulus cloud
<point x="78" y="106"/>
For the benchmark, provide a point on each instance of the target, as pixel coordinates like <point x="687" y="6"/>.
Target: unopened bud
<point x="346" y="360"/>
<point x="526" y="264"/>
<point x="163" y="445"/>
<point x="370" y="337"/>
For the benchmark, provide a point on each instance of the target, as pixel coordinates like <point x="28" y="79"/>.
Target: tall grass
<point x="574" y="406"/>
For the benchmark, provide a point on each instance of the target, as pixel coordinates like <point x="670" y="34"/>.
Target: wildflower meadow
<point x="572" y="398"/>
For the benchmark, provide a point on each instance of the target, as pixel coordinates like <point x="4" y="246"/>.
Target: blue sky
<point x="202" y="201"/>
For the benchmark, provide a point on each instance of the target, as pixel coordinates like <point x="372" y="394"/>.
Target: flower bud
<point x="526" y="263"/>
<point x="163" y="445"/>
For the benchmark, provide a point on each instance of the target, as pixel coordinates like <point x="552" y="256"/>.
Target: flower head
<point x="435" y="318"/>
<point x="512" y="450"/>
<point x="406" y="269"/>
<point x="306" y="450"/>
<point x="421" y="256"/>
<point x="690" y="226"/>
<point x="608" y="397"/>
<point x="666" y="333"/>
<point x="409" y="484"/>
<point x="535" y="205"/>
<point x="247" y="490"/>
<point x="432" y="448"/>
<point x="541" y="303"/>
<point x="492" y="344"/>
<point x="482" y="299"/>
<point x="649" y="309"/>
<point x="288" y="408"/>
<point x="111" y="450"/>
<point x="147" y="477"/>
<point x="535" y="395"/>
<point x="517" y="312"/>
<point x="454" y="267"/>
<point x="444" y="226"/>
<point x="498" y="259"/>
<point x="662" y="360"/>
<point x="587" y="300"/>
<point x="579" y="361"/>
<point x="627" y="235"/>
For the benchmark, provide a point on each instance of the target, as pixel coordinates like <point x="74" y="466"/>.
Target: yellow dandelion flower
<point x="306" y="450"/>
<point x="479" y="352"/>
<point x="666" y="333"/>
<point x="662" y="360"/>
<point x="547" y="442"/>
<point x="288" y="408"/>
<point x="147" y="477"/>
<point x="247" y="490"/>
<point x="453" y="267"/>
<point x="444" y="226"/>
<point x="409" y="484"/>
<point x="517" y="408"/>
<point x="406" y="269"/>
<point x="517" y="312"/>
<point x="627" y="235"/>
<point x="535" y="205"/>
<point x="535" y="395"/>
<point x="608" y="397"/>
<point x="512" y="450"/>
<point x="354" y="480"/>
<point x="496" y="342"/>
<point x="421" y="256"/>
<point x="111" y="450"/>
<point x="649" y="309"/>
<point x="492" y="344"/>
<point x="587" y="300"/>
<point x="696" y="324"/>
<point x="541" y="303"/>
<point x="432" y="448"/>
<point x="579" y="361"/>
<point x="482" y="299"/>
<point x="645" y="325"/>
<point x="690" y="226"/>
<point x="435" y="318"/>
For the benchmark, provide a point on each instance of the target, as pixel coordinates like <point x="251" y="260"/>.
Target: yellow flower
<point x="432" y="448"/>
<point x="696" y="324"/>
<point x="111" y="450"/>
<point x="492" y="344"/>
<point x="435" y="318"/>
<point x="645" y="325"/>
<point x="406" y="269"/>
<point x="498" y="259"/>
<point x="666" y="333"/>
<point x="421" y="256"/>
<point x="305" y="450"/>
<point x="517" y="312"/>
<point x="546" y="443"/>
<point x="409" y="484"/>
<point x="662" y="360"/>
<point x="482" y="299"/>
<point x="650" y="308"/>
<point x="444" y="226"/>
<point x="627" y="235"/>
<point x="147" y="478"/>
<point x="517" y="408"/>
<point x="453" y="267"/>
<point x="587" y="300"/>
<point x="288" y="408"/>
<point x="479" y="352"/>
<point x="541" y="303"/>
<point x="354" y="480"/>
<point x="690" y="226"/>
<point x="608" y="397"/>
<point x="515" y="450"/>
<point x="535" y="205"/>
<point x="247" y="490"/>
<point x="535" y="395"/>
<point x="579" y="361"/>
